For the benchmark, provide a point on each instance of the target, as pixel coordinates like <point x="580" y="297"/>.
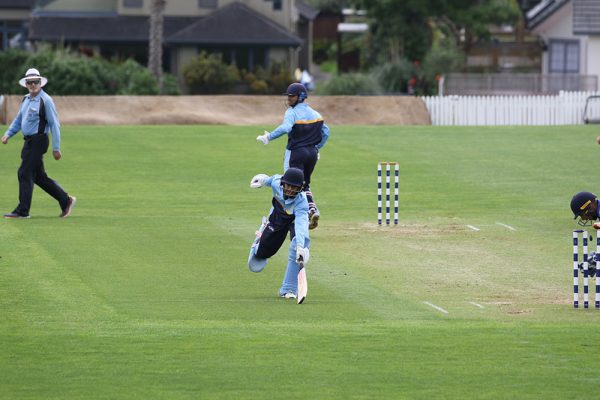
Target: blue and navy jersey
<point x="29" y="121"/>
<point x="287" y="211"/>
<point x="304" y="127"/>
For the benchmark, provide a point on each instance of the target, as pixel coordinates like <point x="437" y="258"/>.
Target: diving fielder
<point x="289" y="212"/>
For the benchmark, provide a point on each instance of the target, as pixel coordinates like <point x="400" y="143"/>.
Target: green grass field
<point x="144" y="292"/>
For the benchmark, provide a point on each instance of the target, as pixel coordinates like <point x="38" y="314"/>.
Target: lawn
<point x="144" y="292"/>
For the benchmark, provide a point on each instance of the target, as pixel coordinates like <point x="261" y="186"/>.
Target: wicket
<point x="387" y="191"/>
<point x="584" y="240"/>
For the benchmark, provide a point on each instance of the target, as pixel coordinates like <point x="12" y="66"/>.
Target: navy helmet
<point x="297" y="89"/>
<point x="581" y="202"/>
<point x="292" y="182"/>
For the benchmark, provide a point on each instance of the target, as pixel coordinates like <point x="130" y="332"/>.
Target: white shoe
<point x="288" y="295"/>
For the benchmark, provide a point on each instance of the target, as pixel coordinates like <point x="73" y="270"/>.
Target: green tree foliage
<point x="442" y="58"/>
<point x="400" y="29"/>
<point x="468" y="21"/>
<point x="329" y="5"/>
<point x="12" y="62"/>
<point x="350" y="85"/>
<point x="70" y="73"/>
<point x="207" y="73"/>
<point x="404" y="28"/>
<point x="394" y="77"/>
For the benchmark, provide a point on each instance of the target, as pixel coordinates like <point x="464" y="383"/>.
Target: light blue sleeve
<point x="53" y="122"/>
<point x="325" y="136"/>
<point x="289" y="119"/>
<point x="301" y="220"/>
<point x="15" y="126"/>
<point x="274" y="182"/>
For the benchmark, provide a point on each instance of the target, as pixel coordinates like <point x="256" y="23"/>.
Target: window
<point x="133" y="3"/>
<point x="208" y="3"/>
<point x="564" y="56"/>
<point x="276" y="4"/>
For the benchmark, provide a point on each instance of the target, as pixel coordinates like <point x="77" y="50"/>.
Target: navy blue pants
<point x="274" y="235"/>
<point x="32" y="172"/>
<point x="304" y="158"/>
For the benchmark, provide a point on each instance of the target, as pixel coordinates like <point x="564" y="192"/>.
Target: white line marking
<point x="476" y="304"/>
<point x="473" y="228"/>
<point x="440" y="309"/>
<point x="506" y="226"/>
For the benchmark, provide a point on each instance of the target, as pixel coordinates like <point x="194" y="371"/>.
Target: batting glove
<point x="258" y="181"/>
<point x="264" y="139"/>
<point x="302" y="255"/>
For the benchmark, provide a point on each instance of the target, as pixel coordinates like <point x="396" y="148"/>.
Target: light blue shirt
<point x="28" y="118"/>
<point x="297" y="206"/>
<point x="302" y="113"/>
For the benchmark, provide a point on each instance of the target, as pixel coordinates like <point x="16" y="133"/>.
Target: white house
<point x="570" y="30"/>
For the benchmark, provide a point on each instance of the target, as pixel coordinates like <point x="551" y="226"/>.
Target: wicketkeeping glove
<point x="302" y="255"/>
<point x="264" y="139"/>
<point x="258" y="181"/>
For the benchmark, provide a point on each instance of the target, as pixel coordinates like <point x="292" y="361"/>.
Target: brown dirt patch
<point x="227" y="110"/>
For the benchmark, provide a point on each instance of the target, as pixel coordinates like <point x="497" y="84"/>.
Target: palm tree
<point x="155" y="41"/>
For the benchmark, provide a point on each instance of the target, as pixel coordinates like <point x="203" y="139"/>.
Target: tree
<point x="468" y="21"/>
<point x="155" y="41"/>
<point x="404" y="28"/>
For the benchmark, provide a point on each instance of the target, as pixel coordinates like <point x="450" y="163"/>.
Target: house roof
<point x="543" y="11"/>
<point x="100" y="28"/>
<point x="235" y="24"/>
<point x="586" y="17"/>
<point x="306" y="11"/>
<point x="20" y="4"/>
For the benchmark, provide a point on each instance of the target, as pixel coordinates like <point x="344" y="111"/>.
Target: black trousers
<point x="272" y="238"/>
<point x="304" y="158"/>
<point x="32" y="172"/>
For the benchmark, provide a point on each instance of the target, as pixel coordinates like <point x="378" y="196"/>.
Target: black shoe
<point x="313" y="218"/>
<point x="15" y="214"/>
<point x="67" y="211"/>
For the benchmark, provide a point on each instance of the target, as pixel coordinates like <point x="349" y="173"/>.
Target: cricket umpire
<point x="36" y="118"/>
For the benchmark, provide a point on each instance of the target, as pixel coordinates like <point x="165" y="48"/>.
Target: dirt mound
<point x="227" y="110"/>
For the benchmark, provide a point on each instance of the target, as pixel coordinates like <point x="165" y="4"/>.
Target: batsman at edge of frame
<point x="584" y="206"/>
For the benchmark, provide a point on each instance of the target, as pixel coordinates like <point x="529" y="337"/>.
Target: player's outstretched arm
<point x="258" y="181"/>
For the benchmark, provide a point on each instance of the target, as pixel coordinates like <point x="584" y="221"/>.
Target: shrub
<point x="441" y="59"/>
<point x="207" y="73"/>
<point x="170" y="85"/>
<point x="350" y="84"/>
<point x="259" y="87"/>
<point x="12" y="61"/>
<point x="394" y="77"/>
<point x="134" y="79"/>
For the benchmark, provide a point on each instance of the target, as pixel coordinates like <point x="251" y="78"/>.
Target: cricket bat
<point x="302" y="284"/>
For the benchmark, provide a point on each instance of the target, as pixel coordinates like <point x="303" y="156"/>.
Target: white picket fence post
<point x="565" y="108"/>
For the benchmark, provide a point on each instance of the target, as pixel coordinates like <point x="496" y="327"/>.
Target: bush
<point x="70" y="73"/>
<point x="170" y="85"/>
<point x="441" y="59"/>
<point x="12" y="61"/>
<point x="207" y="73"/>
<point x="350" y="84"/>
<point x="259" y="87"/>
<point x="134" y="79"/>
<point x="394" y="77"/>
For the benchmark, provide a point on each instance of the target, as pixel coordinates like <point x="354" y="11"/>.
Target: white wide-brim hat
<point x="32" y="74"/>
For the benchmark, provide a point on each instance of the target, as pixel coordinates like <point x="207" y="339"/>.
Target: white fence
<point x="563" y="109"/>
